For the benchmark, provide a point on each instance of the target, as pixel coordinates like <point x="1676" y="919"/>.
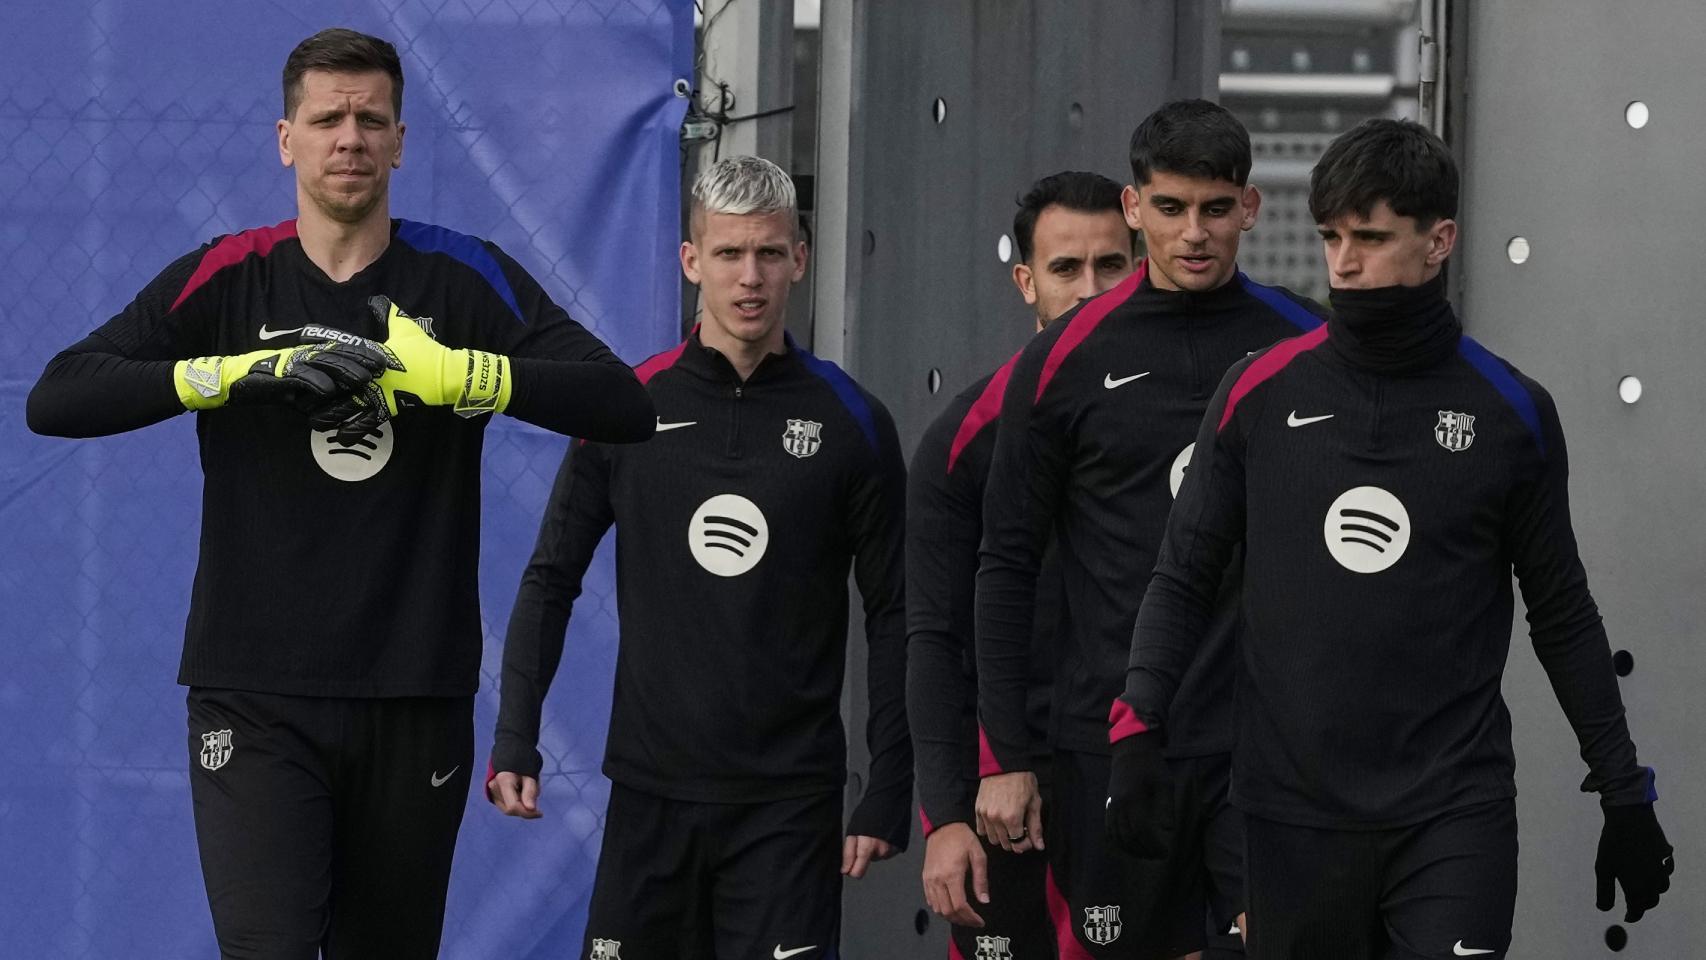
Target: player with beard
<point x="1073" y="244"/>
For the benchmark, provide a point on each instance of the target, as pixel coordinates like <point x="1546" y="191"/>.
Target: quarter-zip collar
<point x="709" y="364"/>
<point x="1395" y="329"/>
<point x="1191" y="305"/>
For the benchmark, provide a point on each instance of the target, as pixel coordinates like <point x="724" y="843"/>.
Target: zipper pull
<point x="739" y="391"/>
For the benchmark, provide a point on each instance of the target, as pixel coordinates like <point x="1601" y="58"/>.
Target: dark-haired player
<point x="1096" y="427"/>
<point x="333" y="645"/>
<point x="1073" y="244"/>
<point x="1383" y="476"/>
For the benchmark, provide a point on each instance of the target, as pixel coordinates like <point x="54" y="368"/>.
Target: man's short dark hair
<point x="341" y="51"/>
<point x="1072" y="189"/>
<point x="1398" y="161"/>
<point x="1191" y="138"/>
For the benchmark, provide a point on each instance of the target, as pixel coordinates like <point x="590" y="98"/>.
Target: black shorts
<point x="1016" y="921"/>
<point x="1443" y="888"/>
<point x="328" y="824"/>
<point x="1110" y="904"/>
<point x="688" y="880"/>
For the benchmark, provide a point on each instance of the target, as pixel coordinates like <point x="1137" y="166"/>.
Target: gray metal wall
<point x="1611" y="289"/>
<point x="1028" y="88"/>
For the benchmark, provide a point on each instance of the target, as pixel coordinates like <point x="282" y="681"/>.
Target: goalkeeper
<point x="342" y="366"/>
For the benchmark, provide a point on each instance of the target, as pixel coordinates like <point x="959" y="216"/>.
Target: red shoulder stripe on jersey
<point x="1065" y="930"/>
<point x="983" y="412"/>
<point x="1085" y="322"/>
<point x="1123" y="722"/>
<point x="1269" y="364"/>
<point x="232" y="250"/>
<point x="987" y="765"/>
<point x="663" y="361"/>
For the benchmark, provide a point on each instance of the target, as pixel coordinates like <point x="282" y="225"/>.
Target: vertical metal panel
<point x="925" y="204"/>
<point x="1610" y="289"/>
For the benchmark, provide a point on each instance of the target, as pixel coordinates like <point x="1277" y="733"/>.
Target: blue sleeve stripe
<point x="845" y="390"/>
<point x="1500" y="377"/>
<point x="1294" y="313"/>
<point x="428" y="238"/>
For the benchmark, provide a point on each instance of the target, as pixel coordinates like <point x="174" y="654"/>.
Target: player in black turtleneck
<point x="1383" y="475"/>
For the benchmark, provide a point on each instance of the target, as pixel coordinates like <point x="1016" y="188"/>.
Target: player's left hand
<point x="421" y="370"/>
<point x="858" y="853"/>
<point x="1633" y="852"/>
<point x="1140" y="797"/>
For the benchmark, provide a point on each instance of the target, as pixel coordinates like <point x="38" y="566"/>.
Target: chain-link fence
<point x="131" y="131"/>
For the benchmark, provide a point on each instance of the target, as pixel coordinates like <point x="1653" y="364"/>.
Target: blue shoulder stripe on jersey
<point x="845" y="390"/>
<point x="429" y="238"/>
<point x="1294" y="313"/>
<point x="1500" y="377"/>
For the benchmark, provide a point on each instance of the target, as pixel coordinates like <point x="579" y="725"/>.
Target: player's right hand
<point x="515" y="795"/>
<point x="1010" y="811"/>
<point x="1140" y="797"/>
<point x="308" y="377"/>
<point x="950" y="852"/>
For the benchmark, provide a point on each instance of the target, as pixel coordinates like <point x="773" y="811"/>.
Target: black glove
<point x="1632" y="851"/>
<point x="309" y="378"/>
<point x="1140" y="797"/>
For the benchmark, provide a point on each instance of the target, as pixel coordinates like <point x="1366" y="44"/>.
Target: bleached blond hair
<point x="744" y="185"/>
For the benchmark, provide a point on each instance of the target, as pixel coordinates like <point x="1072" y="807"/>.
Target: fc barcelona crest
<point x="215" y="748"/>
<point x="605" y="950"/>
<point x="1456" y="431"/>
<point x="802" y="438"/>
<point x="1102" y="924"/>
<point x="993" y="948"/>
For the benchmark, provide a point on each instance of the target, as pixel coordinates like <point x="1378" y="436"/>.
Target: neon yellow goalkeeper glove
<point x="422" y="370"/>
<point x="309" y="377"/>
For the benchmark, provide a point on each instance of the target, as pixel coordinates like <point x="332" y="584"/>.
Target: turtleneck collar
<point x="1394" y="329"/>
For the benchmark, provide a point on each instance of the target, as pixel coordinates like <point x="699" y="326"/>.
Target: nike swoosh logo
<point x="1296" y="421"/>
<point x="675" y="426"/>
<point x="439" y="781"/>
<point x="1109" y="381"/>
<point x="273" y="334"/>
<point x="1459" y="950"/>
<point x="781" y="954"/>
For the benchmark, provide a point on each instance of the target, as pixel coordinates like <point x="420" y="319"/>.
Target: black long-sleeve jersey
<point x="329" y="568"/>
<point x="735" y="529"/>
<point x="1095" y="431"/>
<point x="944" y="525"/>
<point x="1381" y="516"/>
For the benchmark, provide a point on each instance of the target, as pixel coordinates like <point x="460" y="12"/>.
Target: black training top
<point x="735" y="529"/>
<point x="329" y="569"/>
<point x="944" y="525"/>
<point x="1095" y="432"/>
<point x="1384" y="475"/>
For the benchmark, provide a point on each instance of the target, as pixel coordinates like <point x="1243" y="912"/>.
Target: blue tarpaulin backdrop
<point x="130" y="132"/>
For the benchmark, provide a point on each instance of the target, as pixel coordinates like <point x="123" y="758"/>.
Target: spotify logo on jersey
<point x="1176" y="477"/>
<point x="1367" y="529"/>
<point x="728" y="535"/>
<point x="352" y="460"/>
